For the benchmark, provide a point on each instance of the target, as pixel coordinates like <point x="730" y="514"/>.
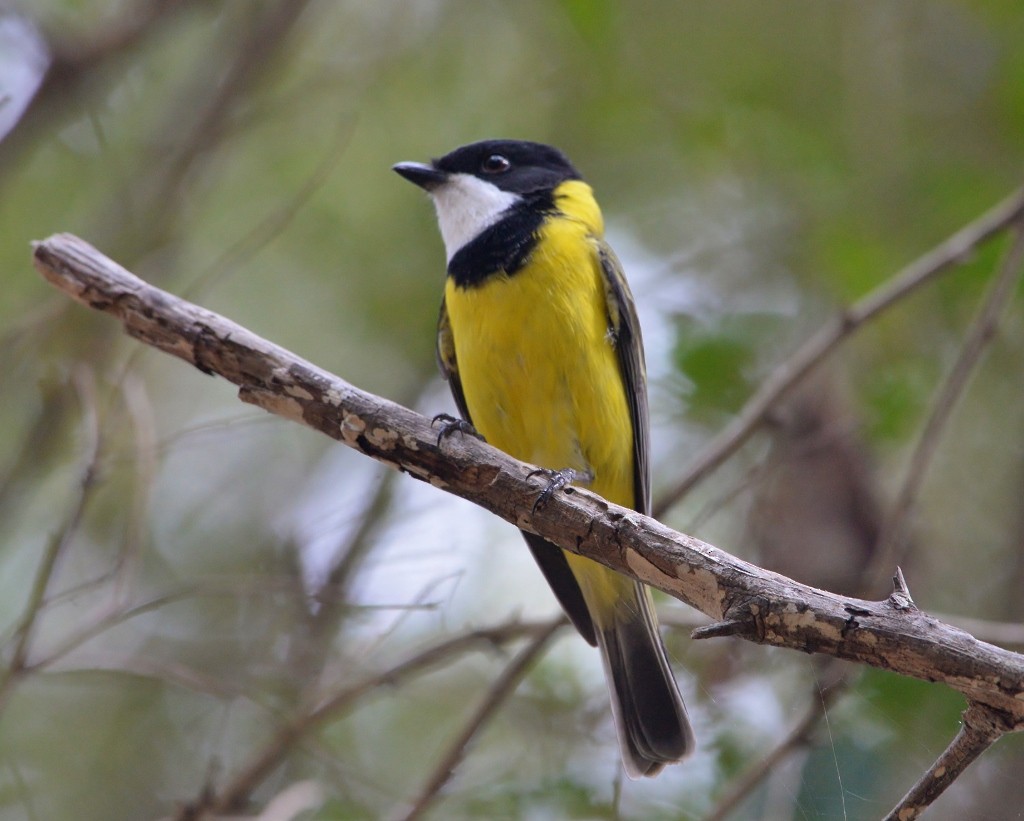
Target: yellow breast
<point x="539" y="372"/>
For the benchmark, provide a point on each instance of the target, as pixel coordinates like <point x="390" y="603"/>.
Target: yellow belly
<point x="540" y="375"/>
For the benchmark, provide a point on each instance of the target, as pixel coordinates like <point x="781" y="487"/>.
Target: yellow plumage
<point x="540" y="373"/>
<point x="540" y="341"/>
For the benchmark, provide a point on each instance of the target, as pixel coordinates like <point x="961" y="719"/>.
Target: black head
<point x="516" y="166"/>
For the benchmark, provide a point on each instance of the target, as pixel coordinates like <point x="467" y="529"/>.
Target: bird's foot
<point x="557" y="479"/>
<point x="450" y="424"/>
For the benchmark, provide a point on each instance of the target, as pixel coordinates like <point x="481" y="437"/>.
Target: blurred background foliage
<point x="181" y="574"/>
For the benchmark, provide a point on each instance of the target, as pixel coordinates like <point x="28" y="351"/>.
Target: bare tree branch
<point x="747" y="601"/>
<point x="780" y="381"/>
<point x="977" y="733"/>
<point x="1004" y="633"/>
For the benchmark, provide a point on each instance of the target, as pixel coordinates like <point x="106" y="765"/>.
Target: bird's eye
<point x="495" y="164"/>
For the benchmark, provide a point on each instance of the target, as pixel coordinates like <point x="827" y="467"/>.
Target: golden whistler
<point x="539" y="340"/>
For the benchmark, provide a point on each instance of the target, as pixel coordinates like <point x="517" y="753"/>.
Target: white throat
<point x="466" y="205"/>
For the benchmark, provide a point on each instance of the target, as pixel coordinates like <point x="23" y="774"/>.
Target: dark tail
<point x="651" y="720"/>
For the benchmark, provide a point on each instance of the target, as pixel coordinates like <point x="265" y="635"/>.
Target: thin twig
<point x="797" y="738"/>
<point x="893" y="545"/>
<point x="355" y="551"/>
<point x="265" y="34"/>
<point x="233" y="587"/>
<point x="267" y="759"/>
<point x="174" y="673"/>
<point x="785" y="376"/>
<point x="272" y="225"/>
<point x="36" y="446"/>
<point x="140" y="410"/>
<point x="977" y="733"/>
<point x="76" y="72"/>
<point x="334" y="598"/>
<point x="502" y="688"/>
<point x="321" y="624"/>
<point x="59" y="542"/>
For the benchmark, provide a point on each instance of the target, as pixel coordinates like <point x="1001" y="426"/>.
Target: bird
<point x="539" y="340"/>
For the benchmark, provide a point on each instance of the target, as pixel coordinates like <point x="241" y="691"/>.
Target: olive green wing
<point x="447" y="363"/>
<point x="551" y="558"/>
<point x="624" y="333"/>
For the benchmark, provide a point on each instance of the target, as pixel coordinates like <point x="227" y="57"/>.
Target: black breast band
<point x="503" y="247"/>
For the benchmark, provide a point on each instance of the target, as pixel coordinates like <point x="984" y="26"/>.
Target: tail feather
<point x="651" y="720"/>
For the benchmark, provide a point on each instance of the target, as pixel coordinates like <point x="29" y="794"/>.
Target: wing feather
<point x="447" y="362"/>
<point x="624" y="331"/>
